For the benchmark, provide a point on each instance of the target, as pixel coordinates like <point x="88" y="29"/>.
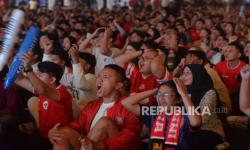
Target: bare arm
<point x="132" y="103"/>
<point x="195" y="120"/>
<point x="80" y="80"/>
<point x="24" y="83"/>
<point x="85" y="43"/>
<point x="245" y="90"/>
<point x="105" y="48"/>
<point x="39" y="86"/>
<point x="121" y="60"/>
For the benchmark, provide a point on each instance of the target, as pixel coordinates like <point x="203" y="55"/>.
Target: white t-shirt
<point x="101" y="60"/>
<point x="101" y="112"/>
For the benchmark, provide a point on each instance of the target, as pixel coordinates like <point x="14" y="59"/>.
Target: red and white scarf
<point x="172" y="132"/>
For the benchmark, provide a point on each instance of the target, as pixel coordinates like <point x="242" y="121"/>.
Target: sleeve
<point x="222" y="90"/>
<point x="217" y="68"/>
<point x="209" y="101"/>
<point x="129" y="69"/>
<point x="79" y="123"/>
<point x="129" y="134"/>
<point x="65" y="96"/>
<point x="80" y="81"/>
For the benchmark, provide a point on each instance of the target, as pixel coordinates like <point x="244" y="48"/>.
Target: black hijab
<point x="201" y="83"/>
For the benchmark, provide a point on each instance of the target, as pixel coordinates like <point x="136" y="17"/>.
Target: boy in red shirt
<point x="104" y="123"/>
<point x="54" y="102"/>
<point x="229" y="70"/>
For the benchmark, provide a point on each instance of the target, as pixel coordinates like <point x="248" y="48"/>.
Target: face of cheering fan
<point x="166" y="96"/>
<point x="187" y="76"/>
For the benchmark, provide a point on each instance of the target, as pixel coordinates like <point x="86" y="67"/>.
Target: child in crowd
<point x="54" y="102"/>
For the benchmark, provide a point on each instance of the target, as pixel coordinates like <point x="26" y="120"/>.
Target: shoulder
<point x="223" y="63"/>
<point x="209" y="95"/>
<point x="210" y="92"/>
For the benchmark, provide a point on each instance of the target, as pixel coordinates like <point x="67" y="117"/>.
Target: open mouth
<point x="99" y="87"/>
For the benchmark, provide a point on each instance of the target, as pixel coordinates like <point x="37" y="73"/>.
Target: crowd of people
<point x="92" y="74"/>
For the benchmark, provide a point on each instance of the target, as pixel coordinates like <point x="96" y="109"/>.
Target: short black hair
<point x="77" y="31"/>
<point x="198" y="53"/>
<point x="63" y="55"/>
<point x="150" y="44"/>
<point x="119" y="71"/>
<point x="237" y="45"/>
<point x="139" y="33"/>
<point x="52" y="69"/>
<point x="135" y="45"/>
<point x="90" y="59"/>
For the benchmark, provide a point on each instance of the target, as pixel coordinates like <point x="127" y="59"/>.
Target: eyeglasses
<point x="165" y="94"/>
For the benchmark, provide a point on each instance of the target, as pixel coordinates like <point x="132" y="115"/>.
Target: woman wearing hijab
<point x="203" y="95"/>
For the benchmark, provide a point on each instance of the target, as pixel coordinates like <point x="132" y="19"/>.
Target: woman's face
<point x="44" y="42"/>
<point x="187" y="76"/>
<point x="203" y="33"/>
<point x="166" y="96"/>
<point x="66" y="44"/>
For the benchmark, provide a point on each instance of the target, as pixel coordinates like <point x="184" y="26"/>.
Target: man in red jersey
<point x="104" y="123"/>
<point x="147" y="74"/>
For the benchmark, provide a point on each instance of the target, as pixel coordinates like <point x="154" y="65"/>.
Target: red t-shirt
<point x="230" y="75"/>
<point x="139" y="83"/>
<point x="52" y="112"/>
<point x="194" y="34"/>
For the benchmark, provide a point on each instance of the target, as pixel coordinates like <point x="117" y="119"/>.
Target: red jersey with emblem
<point x="139" y="83"/>
<point x="128" y="123"/>
<point x="230" y="75"/>
<point x="52" y="112"/>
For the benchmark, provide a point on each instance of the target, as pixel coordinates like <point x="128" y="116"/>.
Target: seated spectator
<point x="54" y="102"/>
<point x="229" y="70"/>
<point x="168" y="95"/>
<point x="200" y="87"/>
<point x="103" y="123"/>
<point x="199" y="57"/>
<point x="84" y="81"/>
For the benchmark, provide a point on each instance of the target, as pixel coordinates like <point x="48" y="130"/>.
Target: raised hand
<point x="73" y="51"/>
<point x="97" y="32"/>
<point x="182" y="89"/>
